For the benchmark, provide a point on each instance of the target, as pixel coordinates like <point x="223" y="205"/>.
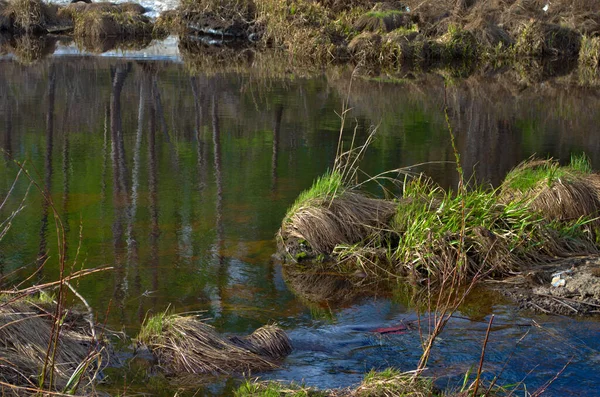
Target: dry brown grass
<point x="168" y="22"/>
<point x="25" y="331"/>
<point x="392" y="383"/>
<point x="230" y="17"/>
<point x="539" y="39"/>
<point x="189" y="345"/>
<point x="325" y="222"/>
<point x="557" y="194"/>
<point x="108" y="20"/>
<point x="27" y="15"/>
<point x="589" y="55"/>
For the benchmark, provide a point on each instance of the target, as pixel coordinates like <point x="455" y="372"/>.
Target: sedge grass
<point x="541" y="211"/>
<point x="186" y="344"/>
<point x="256" y="388"/>
<point x="391" y="382"/>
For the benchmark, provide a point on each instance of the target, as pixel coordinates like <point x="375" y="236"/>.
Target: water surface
<point x="179" y="181"/>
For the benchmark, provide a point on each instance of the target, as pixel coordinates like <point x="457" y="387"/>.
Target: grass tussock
<point x="541" y="211"/>
<point x="391" y="382"/>
<point x="256" y="388"/>
<point x="224" y="17"/>
<point x="109" y="20"/>
<point x="384" y="17"/>
<point x="589" y="55"/>
<point x="26" y="15"/>
<point x="330" y="213"/>
<point x="305" y="29"/>
<point x="189" y="345"/>
<point x="25" y="331"/>
<point x="537" y="39"/>
<point x="566" y="194"/>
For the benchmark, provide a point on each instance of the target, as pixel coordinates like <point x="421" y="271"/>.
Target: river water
<point x="179" y="181"/>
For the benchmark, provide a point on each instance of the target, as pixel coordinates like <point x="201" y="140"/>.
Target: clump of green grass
<point x="326" y="187"/>
<point x="541" y="211"/>
<point x="567" y="196"/>
<point x="391" y="382"/>
<point x="459" y="43"/>
<point x="383" y="21"/>
<point x="589" y="54"/>
<point x="154" y="327"/>
<point x="329" y="213"/>
<point x="256" y="388"/>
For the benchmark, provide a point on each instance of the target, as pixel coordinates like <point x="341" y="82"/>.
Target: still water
<point x="179" y="182"/>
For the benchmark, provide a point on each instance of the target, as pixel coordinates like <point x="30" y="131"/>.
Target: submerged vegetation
<point x="540" y="212"/>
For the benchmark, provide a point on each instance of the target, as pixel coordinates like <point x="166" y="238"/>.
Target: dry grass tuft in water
<point x="25" y="331"/>
<point x="186" y="344"/>
<point x="330" y="214"/>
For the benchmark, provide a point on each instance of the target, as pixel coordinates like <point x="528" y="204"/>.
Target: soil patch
<point x="567" y="287"/>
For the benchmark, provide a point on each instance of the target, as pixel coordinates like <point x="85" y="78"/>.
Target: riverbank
<point x="377" y="36"/>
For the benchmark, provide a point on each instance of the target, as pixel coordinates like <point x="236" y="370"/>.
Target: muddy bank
<point x="567" y="287"/>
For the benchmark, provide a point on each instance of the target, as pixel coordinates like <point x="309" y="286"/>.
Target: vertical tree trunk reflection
<point x="43" y="247"/>
<point x="119" y="74"/>
<point x="275" y="153"/>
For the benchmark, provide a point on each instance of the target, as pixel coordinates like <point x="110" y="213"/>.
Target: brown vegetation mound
<point x="108" y="19"/>
<point x="384" y="17"/>
<point x="25" y="15"/>
<point x="325" y="222"/>
<point x="25" y="332"/>
<point x="189" y="345"/>
<point x="565" y="198"/>
<point x="227" y="17"/>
